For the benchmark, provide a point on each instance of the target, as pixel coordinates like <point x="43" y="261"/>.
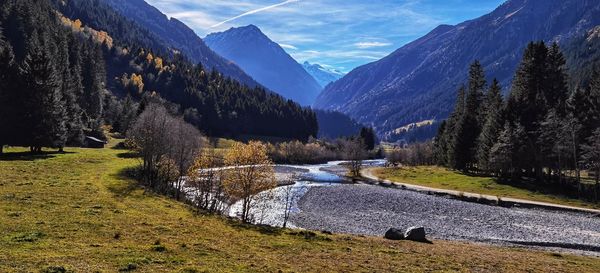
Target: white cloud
<point x="255" y="11"/>
<point x="286" y="46"/>
<point x="363" y="45"/>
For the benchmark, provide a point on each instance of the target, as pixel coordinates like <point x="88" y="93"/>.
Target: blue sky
<point x="342" y="34"/>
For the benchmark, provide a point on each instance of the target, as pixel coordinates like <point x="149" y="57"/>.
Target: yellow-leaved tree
<point x="250" y="171"/>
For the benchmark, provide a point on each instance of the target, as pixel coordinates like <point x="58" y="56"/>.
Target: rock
<point x="394" y="234"/>
<point x="415" y="234"/>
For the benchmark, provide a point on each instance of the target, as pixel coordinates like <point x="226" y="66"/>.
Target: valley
<point x="299" y="136"/>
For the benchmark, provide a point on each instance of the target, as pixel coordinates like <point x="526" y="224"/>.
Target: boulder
<point x="394" y="234"/>
<point x="415" y="234"/>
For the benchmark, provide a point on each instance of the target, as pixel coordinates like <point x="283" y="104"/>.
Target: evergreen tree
<point x="492" y="125"/>
<point x="468" y="127"/>
<point x="556" y="91"/>
<point x="7" y="78"/>
<point x="93" y="84"/>
<point x="367" y="135"/>
<point x="45" y="108"/>
<point x="440" y="145"/>
<point x="505" y="155"/>
<point x="453" y="127"/>
<point x="526" y="102"/>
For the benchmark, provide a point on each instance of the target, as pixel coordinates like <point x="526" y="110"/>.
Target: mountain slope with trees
<point x="178" y="36"/>
<point x="65" y="78"/>
<point x="415" y="82"/>
<point x="266" y="62"/>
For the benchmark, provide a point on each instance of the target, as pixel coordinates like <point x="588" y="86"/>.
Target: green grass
<point x="442" y="178"/>
<point x="79" y="212"/>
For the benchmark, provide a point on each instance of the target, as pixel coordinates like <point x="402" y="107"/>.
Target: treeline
<point x="217" y="105"/>
<point x="63" y="80"/>
<point x="319" y="151"/>
<point x="52" y="87"/>
<point x="539" y="132"/>
<point x="334" y="124"/>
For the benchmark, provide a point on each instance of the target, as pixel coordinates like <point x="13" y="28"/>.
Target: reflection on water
<point x="270" y="205"/>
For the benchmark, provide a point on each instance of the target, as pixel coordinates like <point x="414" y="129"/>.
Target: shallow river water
<point x="324" y="202"/>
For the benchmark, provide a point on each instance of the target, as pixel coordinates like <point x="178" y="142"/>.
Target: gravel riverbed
<point x="371" y="210"/>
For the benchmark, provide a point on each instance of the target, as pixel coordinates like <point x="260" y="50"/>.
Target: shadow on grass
<point x="29" y="156"/>
<point x="263" y="229"/>
<point x="128" y="178"/>
<point x="128" y="155"/>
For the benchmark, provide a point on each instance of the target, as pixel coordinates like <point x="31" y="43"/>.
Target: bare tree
<point x="291" y="194"/>
<point x="187" y="143"/>
<point x="149" y="136"/>
<point x="355" y="152"/>
<point x="162" y="138"/>
<point x="250" y="172"/>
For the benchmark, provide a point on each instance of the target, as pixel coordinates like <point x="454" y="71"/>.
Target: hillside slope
<point x="266" y="62"/>
<point x="419" y="81"/>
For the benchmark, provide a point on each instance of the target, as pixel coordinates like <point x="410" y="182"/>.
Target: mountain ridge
<point x="419" y="80"/>
<point x="266" y="62"/>
<point x="322" y="75"/>
<point x="177" y="34"/>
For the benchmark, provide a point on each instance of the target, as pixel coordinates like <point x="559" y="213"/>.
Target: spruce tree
<point x="440" y="145"/>
<point x="7" y="78"/>
<point x="45" y="107"/>
<point x="93" y="72"/>
<point x="469" y="127"/>
<point x="367" y="135"/>
<point x="453" y="127"/>
<point x="527" y="105"/>
<point x="492" y="125"/>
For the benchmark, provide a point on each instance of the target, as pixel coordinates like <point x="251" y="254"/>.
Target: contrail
<point x="255" y="11"/>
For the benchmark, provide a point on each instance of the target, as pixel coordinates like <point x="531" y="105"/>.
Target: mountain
<point x="324" y="76"/>
<point x="179" y="37"/>
<point x="266" y="62"/>
<point x="419" y="81"/>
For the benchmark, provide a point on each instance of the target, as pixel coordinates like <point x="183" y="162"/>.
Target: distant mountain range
<point x="322" y="75"/>
<point x="178" y="36"/>
<point x="266" y="62"/>
<point x="419" y="81"/>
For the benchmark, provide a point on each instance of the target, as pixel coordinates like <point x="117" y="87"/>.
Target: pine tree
<point x="505" y="155"/>
<point x="526" y="104"/>
<point x="45" y="108"/>
<point x="453" y="127"/>
<point x="492" y="125"/>
<point x="7" y="78"/>
<point x="93" y="84"/>
<point x="556" y="91"/>
<point x="367" y="135"/>
<point x="440" y="145"/>
<point x="469" y="127"/>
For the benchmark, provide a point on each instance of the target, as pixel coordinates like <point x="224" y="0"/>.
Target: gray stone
<point x="415" y="234"/>
<point x="394" y="234"/>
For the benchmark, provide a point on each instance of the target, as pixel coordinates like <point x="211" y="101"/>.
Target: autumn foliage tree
<point x="250" y="171"/>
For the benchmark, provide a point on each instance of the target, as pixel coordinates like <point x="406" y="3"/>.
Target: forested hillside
<point x="335" y="124"/>
<point x="178" y="36"/>
<point x="417" y="81"/>
<point x="65" y="77"/>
